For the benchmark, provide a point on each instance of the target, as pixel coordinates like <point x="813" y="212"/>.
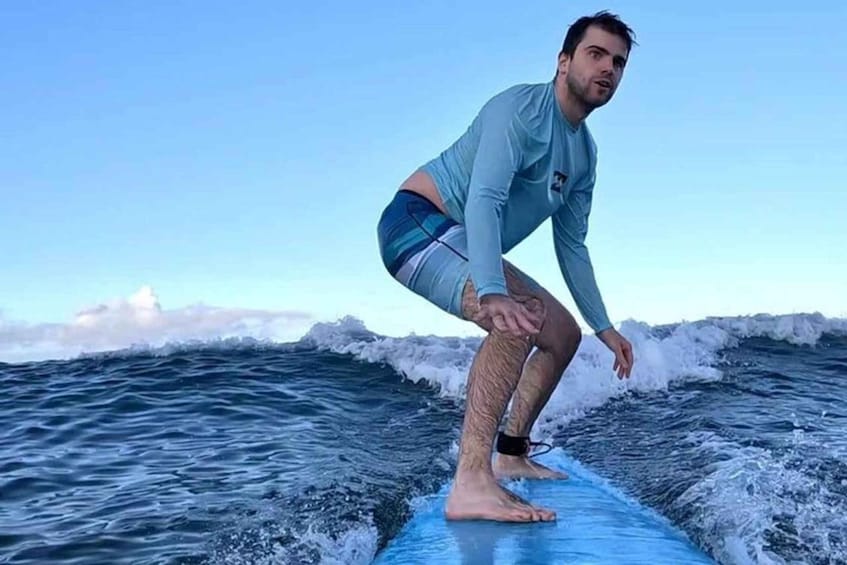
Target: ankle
<point x="473" y="469"/>
<point x="504" y="458"/>
<point x="479" y="483"/>
<point x="512" y="445"/>
<point x="515" y="430"/>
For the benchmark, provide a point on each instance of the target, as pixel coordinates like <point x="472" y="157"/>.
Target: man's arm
<point x="497" y="160"/>
<point x="570" y="227"/>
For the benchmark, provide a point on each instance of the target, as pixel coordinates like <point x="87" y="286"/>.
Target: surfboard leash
<point x="519" y="445"/>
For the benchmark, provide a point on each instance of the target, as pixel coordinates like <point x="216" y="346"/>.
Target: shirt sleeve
<point x="570" y="227"/>
<point x="497" y="159"/>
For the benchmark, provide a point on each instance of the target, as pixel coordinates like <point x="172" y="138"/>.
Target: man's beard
<point x="580" y="94"/>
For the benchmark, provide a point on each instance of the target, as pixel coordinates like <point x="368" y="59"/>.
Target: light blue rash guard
<point x="519" y="163"/>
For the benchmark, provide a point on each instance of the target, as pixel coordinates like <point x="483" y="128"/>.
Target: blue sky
<point x="239" y="155"/>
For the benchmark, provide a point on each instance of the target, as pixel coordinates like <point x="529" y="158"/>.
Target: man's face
<point x="596" y="69"/>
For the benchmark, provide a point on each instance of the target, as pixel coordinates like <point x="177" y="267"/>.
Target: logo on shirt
<point x="559" y="180"/>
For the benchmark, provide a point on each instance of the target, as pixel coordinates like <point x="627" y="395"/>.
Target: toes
<point x="533" y="514"/>
<point x="529" y="512"/>
<point x="523" y="515"/>
<point x="547" y="515"/>
<point x="517" y="512"/>
<point x="536" y="514"/>
<point x="541" y="514"/>
<point x="520" y="509"/>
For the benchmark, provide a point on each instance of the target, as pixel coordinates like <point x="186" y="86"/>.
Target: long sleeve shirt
<point x="519" y="163"/>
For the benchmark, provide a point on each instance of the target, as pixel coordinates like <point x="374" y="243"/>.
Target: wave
<point x="23" y="344"/>
<point x="664" y="355"/>
<point x="753" y="498"/>
<point x="796" y="329"/>
<point x="283" y="539"/>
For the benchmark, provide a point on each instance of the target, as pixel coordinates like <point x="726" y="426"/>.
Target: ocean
<point x="244" y="451"/>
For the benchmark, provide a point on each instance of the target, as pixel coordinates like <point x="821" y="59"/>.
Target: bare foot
<point x="511" y="467"/>
<point x="480" y="497"/>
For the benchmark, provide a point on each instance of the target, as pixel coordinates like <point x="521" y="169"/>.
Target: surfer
<point x="527" y="156"/>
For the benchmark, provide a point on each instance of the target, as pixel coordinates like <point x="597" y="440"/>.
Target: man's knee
<point x="575" y="337"/>
<point x="560" y="335"/>
<point x="471" y="312"/>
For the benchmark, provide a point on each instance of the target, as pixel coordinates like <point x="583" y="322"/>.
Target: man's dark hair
<point x="604" y="20"/>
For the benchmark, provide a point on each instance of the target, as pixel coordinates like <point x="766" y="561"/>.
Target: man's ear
<point x="563" y="63"/>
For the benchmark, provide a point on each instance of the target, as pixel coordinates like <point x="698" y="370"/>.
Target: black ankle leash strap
<point x="518" y="445"/>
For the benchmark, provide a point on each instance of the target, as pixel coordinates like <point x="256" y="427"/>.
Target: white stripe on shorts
<point x="405" y="273"/>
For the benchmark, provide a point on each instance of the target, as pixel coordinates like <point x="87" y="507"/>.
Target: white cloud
<point x="140" y="319"/>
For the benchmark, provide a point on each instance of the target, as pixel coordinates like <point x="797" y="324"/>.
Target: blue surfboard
<point x="596" y="523"/>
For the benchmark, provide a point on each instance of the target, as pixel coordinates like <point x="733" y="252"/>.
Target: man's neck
<point x="574" y="111"/>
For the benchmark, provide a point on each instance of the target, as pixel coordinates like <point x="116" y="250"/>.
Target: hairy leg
<point x="494" y="374"/>
<point x="556" y="346"/>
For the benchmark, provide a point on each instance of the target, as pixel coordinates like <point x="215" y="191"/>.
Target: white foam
<point x="797" y="329"/>
<point x="749" y="489"/>
<point x="689" y="351"/>
<point x="442" y="362"/>
<point x="590" y="382"/>
<point x="354" y="546"/>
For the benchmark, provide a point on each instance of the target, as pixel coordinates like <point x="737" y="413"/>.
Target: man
<point x="527" y="156"/>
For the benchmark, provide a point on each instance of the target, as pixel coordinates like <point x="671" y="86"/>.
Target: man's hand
<point x="622" y="350"/>
<point x="510" y="316"/>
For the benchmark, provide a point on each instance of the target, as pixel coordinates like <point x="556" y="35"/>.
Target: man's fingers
<point x="535" y="317"/>
<point x="503" y="322"/>
<point x="620" y="362"/>
<point x="622" y="350"/>
<point x="533" y="310"/>
<point x="499" y="322"/>
<point x="512" y="324"/>
<point x="516" y="319"/>
<point x="529" y="322"/>
<point x="527" y="325"/>
<point x="627" y="353"/>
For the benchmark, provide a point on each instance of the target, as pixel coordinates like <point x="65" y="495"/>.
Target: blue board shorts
<point x="424" y="250"/>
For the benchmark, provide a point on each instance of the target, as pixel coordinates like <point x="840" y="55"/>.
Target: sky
<point x="189" y="168"/>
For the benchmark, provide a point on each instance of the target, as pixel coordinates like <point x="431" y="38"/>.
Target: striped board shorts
<point x="424" y="250"/>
